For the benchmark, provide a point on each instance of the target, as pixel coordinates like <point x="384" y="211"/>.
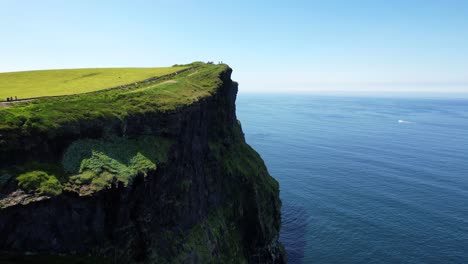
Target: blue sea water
<point x="357" y="185"/>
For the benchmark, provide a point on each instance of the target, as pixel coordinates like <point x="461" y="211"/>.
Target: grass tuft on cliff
<point x="39" y="182"/>
<point x="28" y="84"/>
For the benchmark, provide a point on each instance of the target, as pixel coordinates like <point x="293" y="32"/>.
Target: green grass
<point x="50" y="113"/>
<point x="98" y="163"/>
<point x="126" y="151"/>
<point x="30" y="84"/>
<point x="39" y="182"/>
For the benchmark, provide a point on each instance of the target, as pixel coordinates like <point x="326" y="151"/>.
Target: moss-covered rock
<point x="40" y="182"/>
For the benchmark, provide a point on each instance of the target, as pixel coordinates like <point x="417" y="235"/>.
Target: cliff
<point x="168" y="181"/>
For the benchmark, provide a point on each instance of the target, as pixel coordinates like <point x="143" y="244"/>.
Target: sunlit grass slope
<point x="164" y="94"/>
<point x="30" y="84"/>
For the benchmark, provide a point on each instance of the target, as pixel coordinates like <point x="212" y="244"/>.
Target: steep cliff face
<point x="209" y="199"/>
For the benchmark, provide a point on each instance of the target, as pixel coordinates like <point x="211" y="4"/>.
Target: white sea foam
<point x="403" y="122"/>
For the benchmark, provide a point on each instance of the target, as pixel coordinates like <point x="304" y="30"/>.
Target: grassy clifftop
<point x="163" y="94"/>
<point x="30" y="84"/>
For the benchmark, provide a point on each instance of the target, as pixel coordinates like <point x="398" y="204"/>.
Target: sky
<point x="330" y="46"/>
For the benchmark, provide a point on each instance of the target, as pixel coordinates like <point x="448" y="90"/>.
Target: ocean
<point x="365" y="180"/>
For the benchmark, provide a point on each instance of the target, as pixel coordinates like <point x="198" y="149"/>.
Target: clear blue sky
<point x="327" y="46"/>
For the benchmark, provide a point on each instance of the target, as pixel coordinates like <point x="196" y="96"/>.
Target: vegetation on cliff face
<point x="90" y="165"/>
<point x="250" y="214"/>
<point x="96" y="164"/>
<point x="29" y="84"/>
<point x="39" y="181"/>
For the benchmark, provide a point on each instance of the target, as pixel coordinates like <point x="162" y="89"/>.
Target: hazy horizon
<point x="373" y="47"/>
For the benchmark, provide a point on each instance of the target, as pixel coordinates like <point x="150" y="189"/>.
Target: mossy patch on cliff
<point x="98" y="163"/>
<point x="40" y="182"/>
<point x="214" y="240"/>
<point x="90" y="165"/>
<point x="123" y="150"/>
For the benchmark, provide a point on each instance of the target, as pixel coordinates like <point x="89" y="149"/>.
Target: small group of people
<point x="11" y="99"/>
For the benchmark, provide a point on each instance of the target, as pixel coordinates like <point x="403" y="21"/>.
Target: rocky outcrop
<point x="213" y="201"/>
